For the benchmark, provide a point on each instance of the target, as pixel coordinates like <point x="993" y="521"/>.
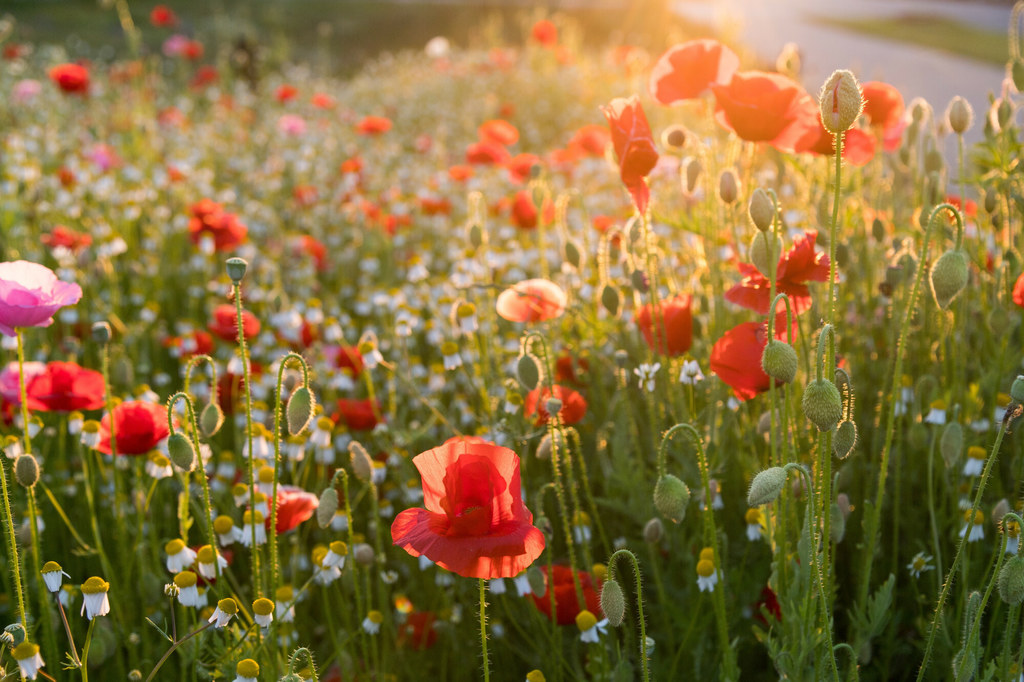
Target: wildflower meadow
<point x="532" y="361"/>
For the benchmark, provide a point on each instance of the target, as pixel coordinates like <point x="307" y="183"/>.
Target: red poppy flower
<point x="322" y="100"/>
<point x="140" y="428"/>
<point x="487" y="154"/>
<point x="296" y="506"/>
<point x="417" y="632"/>
<point x="357" y="415"/>
<point x="634" y="146"/>
<point x="225" y="323"/>
<point x="65" y="387"/>
<point x="286" y="93"/>
<point x="545" y="33"/>
<point x="460" y="173"/>
<point x="373" y="125"/>
<point x="347" y="358"/>
<point x="756" y="105"/>
<point x="14" y="51"/>
<point x="574" y="405"/>
<point x="688" y="70"/>
<point x="532" y="300"/>
<point x="314" y="248"/>
<point x="193" y="50"/>
<point x="210" y="218"/>
<point x="206" y="74"/>
<point x="66" y="237"/>
<point x="435" y="205"/>
<point x="196" y="343"/>
<point x="969" y="209"/>
<point x="566" y="367"/>
<point x="1018" y="291"/>
<point x="799" y="265"/>
<point x="72" y="79"/>
<point x="736" y="358"/>
<point x="770" y="603"/>
<point x="498" y="131"/>
<point x="590" y="140"/>
<point x="858" y="147"/>
<point x="676" y="322"/>
<point x="521" y="166"/>
<point x="567" y="605"/>
<point x="163" y="16"/>
<point x="807" y="134"/>
<point x="475" y="523"/>
<point x="883" y="104"/>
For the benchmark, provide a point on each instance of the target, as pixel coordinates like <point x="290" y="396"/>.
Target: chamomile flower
<point x="225" y="611"/>
<point x="936" y="413"/>
<point x="368" y="350"/>
<point x="227" y="532"/>
<point x="522" y="585"/>
<point x="252" y="524"/>
<point x="188" y="592"/>
<point x="371" y="624"/>
<point x="263" y="612"/>
<point x="247" y="670"/>
<point x="646" y="373"/>
<point x="335" y="556"/>
<point x="707" y="574"/>
<point x="205" y="558"/>
<point x="75" y="422"/>
<point x="450" y="355"/>
<point x="158" y="466"/>
<point x="690" y="374"/>
<point x="284" y="607"/>
<point x="535" y="676"/>
<point x="323" y="574"/>
<point x="976" y="528"/>
<point x="94" y="597"/>
<point x="321" y="435"/>
<point x="28" y="658"/>
<point x="53" y="575"/>
<point x="755" y="520"/>
<point x="1012" y="537"/>
<point x="590" y="627"/>
<point x="91" y="434"/>
<point x="920" y="564"/>
<point x="975" y="463"/>
<point x="465" y="314"/>
<point x="12" y="447"/>
<point x="179" y="556"/>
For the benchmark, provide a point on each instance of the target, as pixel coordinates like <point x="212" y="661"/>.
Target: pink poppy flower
<point x="532" y="300"/>
<point x="30" y="294"/>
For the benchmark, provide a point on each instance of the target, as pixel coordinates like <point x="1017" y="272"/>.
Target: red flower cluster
<point x="210" y="218"/>
<point x="358" y="415"/>
<point x="799" y="265"/>
<point x="139" y="426"/>
<point x="72" y="79"/>
<point x="65" y="387"/>
<point x="491" y="148"/>
<point x="675" y="319"/>
<point x="67" y="238"/>
<point x="475" y="523"/>
<point x="567" y="605"/>
<point x="634" y="146"/>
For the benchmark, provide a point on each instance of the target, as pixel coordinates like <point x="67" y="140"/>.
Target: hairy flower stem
<point x="167" y="654"/>
<point x="236" y="290"/>
<point x="296" y="656"/>
<point x="483" y="628"/>
<point x="947" y="584"/>
<point x="639" y="603"/>
<point x="67" y="629"/>
<point x="12" y="542"/>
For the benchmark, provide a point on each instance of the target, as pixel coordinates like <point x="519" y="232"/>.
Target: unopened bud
<point x="101" y="333"/>
<point x="528" y="371"/>
<point x="573" y="256"/>
<point x="728" y="186"/>
<point x="181" y="451"/>
<point x="362" y="465"/>
<point x="948" y="277"/>
<point x="1017" y="389"/>
<point x="838" y="529"/>
<point x="693" y="171"/>
<point x="765" y="248"/>
<point x="610" y="299"/>
<point x="363" y="554"/>
<point x="640" y="281"/>
<point x="613" y="602"/>
<point x="671" y="497"/>
<point x="840" y="101"/>
<point x="301" y="406"/>
<point x="960" y="115"/>
<point x="844" y="439"/>
<point x="236" y="268"/>
<point x="1017" y="74"/>
<point x="762" y="210"/>
<point x="327" y="507"/>
<point x="26" y="470"/>
<point x="951" y="444"/>
<point x="1011" y="580"/>
<point x="653" y="531"/>
<point x="674" y="136"/>
<point x="822" y="404"/>
<point x="766" y="486"/>
<point x="211" y="419"/>
<point x="779" y="361"/>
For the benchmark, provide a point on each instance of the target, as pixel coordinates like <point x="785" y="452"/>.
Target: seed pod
<point x="301" y="406"/>
<point x="822" y="404"/>
<point x="613" y="602"/>
<point x="766" y="486"/>
<point x="181" y="451"/>
<point x="671" y="497"/>
<point x="654" y="530"/>
<point x="948" y="277"/>
<point x="779" y="361"/>
<point x="844" y="439"/>
<point x="236" y="268"/>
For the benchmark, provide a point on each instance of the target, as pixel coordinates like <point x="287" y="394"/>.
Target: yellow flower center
<point x="95" y="585"/>
<point x="263" y="607"/>
<point x="705" y="568"/>
<point x="182" y="580"/>
<point x="247" y="668"/>
<point x="585" y="620"/>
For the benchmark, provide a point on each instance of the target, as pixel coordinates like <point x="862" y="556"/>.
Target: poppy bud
<point x="236" y="268"/>
<point x="934" y="163"/>
<point x="822" y="404"/>
<point x="610" y="299"/>
<point x="1017" y="73"/>
<point x="211" y="419"/>
<point x="840" y="101"/>
<point x="547" y="443"/>
<point x="1011" y="580"/>
<point x="838" y="528"/>
<point x="766" y="486"/>
<point x="101" y="333"/>
<point x="553" y="405"/>
<point x="671" y="497"/>
<point x="363" y="554"/>
<point x="693" y="170"/>
<point x="327" y="507"/>
<point x="844" y="438"/>
<point x="26" y="471"/>
<point x="948" y="277"/>
<point x="991" y="201"/>
<point x="674" y="136"/>
<point x="476" y="235"/>
<point x="951" y="444"/>
<point x="538" y="584"/>
<point x="613" y="603"/>
<point x="362" y="465"/>
<point x="764" y="250"/>
<point x="779" y="361"/>
<point x="960" y="115"/>
<point x="728" y="186"/>
<point x="638" y="278"/>
<point x="300" y="410"/>
<point x="878" y="230"/>
<point x="653" y="531"/>
<point x="761" y="209"/>
<point x="1004" y="113"/>
<point x="572" y="254"/>
<point x="999" y="511"/>
<point x="181" y="451"/>
<point x="528" y="371"/>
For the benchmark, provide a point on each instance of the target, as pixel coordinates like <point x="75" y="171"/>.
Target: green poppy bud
<point x="211" y="419"/>
<point x="761" y="209"/>
<point x="779" y="361"/>
<point x="181" y="451"/>
<point x="728" y="186"/>
<point x="840" y="101"/>
<point x="528" y="371"/>
<point x="327" y="507"/>
<point x="301" y="406"/>
<point x="613" y="602"/>
<point x="766" y="486"/>
<point x="1017" y="389"/>
<point x="26" y="470"/>
<point x="1011" y="580"/>
<point x="948" y="277"/>
<point x="822" y="404"/>
<point x="951" y="444"/>
<point x="764" y="251"/>
<point x="610" y="299"/>
<point x="671" y="497"/>
<point x="960" y="115"/>
<point x="844" y="439"/>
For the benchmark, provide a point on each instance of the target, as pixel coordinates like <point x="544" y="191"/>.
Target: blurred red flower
<point x="756" y="105"/>
<point x="525" y="214"/>
<point x="487" y="154"/>
<point x="521" y="166"/>
<point x="205" y="75"/>
<point x="566" y="367"/>
<point x="688" y="70"/>
<point x="498" y="131"/>
<point x="295" y="505"/>
<point x="532" y="300"/>
<point x="590" y="140"/>
<point x="322" y="100"/>
<point x="634" y="146"/>
<point x="417" y="632"/>
<point x="736" y="358"/>
<point x="140" y="426"/>
<point x="545" y="33"/>
<point x="210" y="218"/>
<point x="224" y="323"/>
<point x="675" y="319"/>
<point x="67" y="238"/>
<point x="72" y="79"/>
<point x="567" y="604"/>
<point x="475" y="523"/>
<point x="358" y="415"/>
<point x="1018" y="291"/>
<point x="883" y="104"/>
<point x="163" y="16"/>
<point x="65" y="387"/>
<point x="286" y="93"/>
<point x="348" y="358"/>
<point x="373" y="125"/>
<point x="574" y="405"/>
<point x="799" y="265"/>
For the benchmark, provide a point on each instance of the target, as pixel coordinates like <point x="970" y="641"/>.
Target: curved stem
<point x="167" y="654"/>
<point x="309" y="657"/>
<point x="194" y="362"/>
<point x="639" y="602"/>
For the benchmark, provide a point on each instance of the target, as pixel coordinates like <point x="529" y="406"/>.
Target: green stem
<point x="12" y="542"/>
<point x="639" y="603"/>
<point x="85" y="651"/>
<point x="483" y="628"/>
<point x="236" y="288"/>
<point x="302" y="651"/>
<point x="167" y="654"/>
